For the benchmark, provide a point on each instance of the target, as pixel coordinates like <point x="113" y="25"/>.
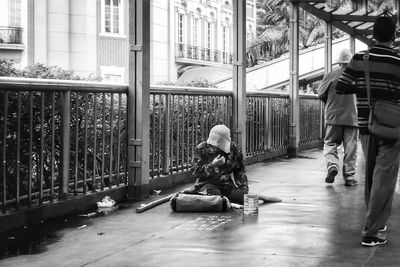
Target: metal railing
<point x="60" y="139"/>
<point x="200" y="53"/>
<point x="10" y="35"/>
<point x="267" y="123"/>
<point x="180" y="118"/>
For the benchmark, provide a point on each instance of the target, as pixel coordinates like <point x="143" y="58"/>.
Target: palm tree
<point x="272" y="38"/>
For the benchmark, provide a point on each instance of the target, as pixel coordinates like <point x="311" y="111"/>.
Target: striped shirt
<point x="384" y="67"/>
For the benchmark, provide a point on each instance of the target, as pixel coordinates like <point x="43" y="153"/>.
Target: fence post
<point x="139" y="99"/>
<point x="269" y="123"/>
<point x="66" y="140"/>
<point x="166" y="148"/>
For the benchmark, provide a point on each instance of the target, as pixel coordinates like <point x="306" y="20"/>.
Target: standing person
<point x="382" y="156"/>
<point x="340" y="125"/>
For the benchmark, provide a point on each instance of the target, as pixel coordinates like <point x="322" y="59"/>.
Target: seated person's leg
<point x="235" y="195"/>
<point x="210" y="189"/>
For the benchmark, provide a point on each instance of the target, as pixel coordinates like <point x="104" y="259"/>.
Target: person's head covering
<point x="344" y="56"/>
<point x="384" y="29"/>
<point x="220" y="136"/>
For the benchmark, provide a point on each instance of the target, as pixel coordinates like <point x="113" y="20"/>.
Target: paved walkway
<point x="315" y="225"/>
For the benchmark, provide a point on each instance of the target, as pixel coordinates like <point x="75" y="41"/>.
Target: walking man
<point x="382" y="156"/>
<point x="340" y="125"/>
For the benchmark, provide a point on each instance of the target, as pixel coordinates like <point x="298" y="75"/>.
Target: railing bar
<point x="172" y="133"/>
<point x="94" y="141"/>
<point x="18" y="147"/>
<point x="76" y="142"/>
<point x="53" y="108"/>
<point x="103" y="132"/>
<point x="4" y="163"/>
<point x="119" y="137"/>
<point x="160" y="120"/>
<point x="187" y="131"/>
<point x="85" y="145"/>
<point x="153" y="140"/>
<point x="41" y="148"/>
<point x="178" y="133"/>
<point x="192" y="144"/>
<point x="111" y="136"/>
<point x="30" y="148"/>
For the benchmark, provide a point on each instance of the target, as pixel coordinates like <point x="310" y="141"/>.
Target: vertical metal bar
<point x="239" y="74"/>
<point x="30" y="148"/>
<point x="160" y="112"/>
<point x="139" y="98"/>
<point x="152" y="140"/>
<point x="103" y="141"/>
<point x="18" y="147"/>
<point x="194" y="123"/>
<point x="111" y="138"/>
<point x="85" y="149"/>
<point x="76" y="143"/>
<point x="178" y="130"/>
<point x="172" y="134"/>
<point x="187" y="130"/>
<point x="94" y="141"/>
<point x="5" y="115"/>
<point x="167" y="129"/>
<point x="294" y="80"/>
<point x="53" y="129"/>
<point x="66" y="141"/>
<point x="119" y="137"/>
<point x="41" y="152"/>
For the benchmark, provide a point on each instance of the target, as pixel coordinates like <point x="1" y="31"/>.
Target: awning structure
<point x="355" y="18"/>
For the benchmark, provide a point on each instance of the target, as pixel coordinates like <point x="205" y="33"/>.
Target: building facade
<point x="91" y="36"/>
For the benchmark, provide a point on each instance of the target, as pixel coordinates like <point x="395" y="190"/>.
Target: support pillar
<point x="328" y="47"/>
<point x="239" y="74"/>
<point x="139" y="99"/>
<point x="294" y="115"/>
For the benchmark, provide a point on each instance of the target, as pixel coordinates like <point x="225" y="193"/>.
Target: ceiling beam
<point x="326" y="16"/>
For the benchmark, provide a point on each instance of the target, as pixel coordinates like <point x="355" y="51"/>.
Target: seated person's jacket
<point x="231" y="173"/>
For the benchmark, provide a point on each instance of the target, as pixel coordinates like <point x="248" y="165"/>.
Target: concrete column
<point x="239" y="74"/>
<point x="139" y="99"/>
<point x="294" y="116"/>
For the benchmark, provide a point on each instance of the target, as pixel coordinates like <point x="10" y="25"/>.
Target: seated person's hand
<point x="218" y="161"/>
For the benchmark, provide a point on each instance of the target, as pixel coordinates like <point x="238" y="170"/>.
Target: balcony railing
<point x="65" y="139"/>
<point x="186" y="51"/>
<point x="10" y="35"/>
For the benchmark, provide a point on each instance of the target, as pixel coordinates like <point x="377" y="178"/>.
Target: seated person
<point x="218" y="166"/>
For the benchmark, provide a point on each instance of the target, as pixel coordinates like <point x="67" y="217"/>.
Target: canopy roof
<point x="356" y="23"/>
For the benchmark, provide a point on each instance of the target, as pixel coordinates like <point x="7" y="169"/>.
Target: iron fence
<point x="60" y="139"/>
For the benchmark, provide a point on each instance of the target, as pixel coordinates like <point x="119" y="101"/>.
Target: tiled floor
<point x="315" y="225"/>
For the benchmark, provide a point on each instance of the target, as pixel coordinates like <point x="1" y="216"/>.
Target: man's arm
<point x="345" y="83"/>
<point x="323" y="89"/>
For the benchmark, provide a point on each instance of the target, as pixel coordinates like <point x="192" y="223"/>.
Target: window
<point x="112" y="22"/>
<point x="180" y="28"/>
<point x="225" y="38"/>
<point x="15" y="13"/>
<point x="210" y="35"/>
<point x="195" y="31"/>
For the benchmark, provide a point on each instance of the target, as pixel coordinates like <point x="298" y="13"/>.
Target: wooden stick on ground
<point x="153" y="204"/>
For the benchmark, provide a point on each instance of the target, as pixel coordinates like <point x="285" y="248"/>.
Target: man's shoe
<point x="332" y="172"/>
<point x="373" y="241"/>
<point x="383" y="229"/>
<point x="350" y="182"/>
